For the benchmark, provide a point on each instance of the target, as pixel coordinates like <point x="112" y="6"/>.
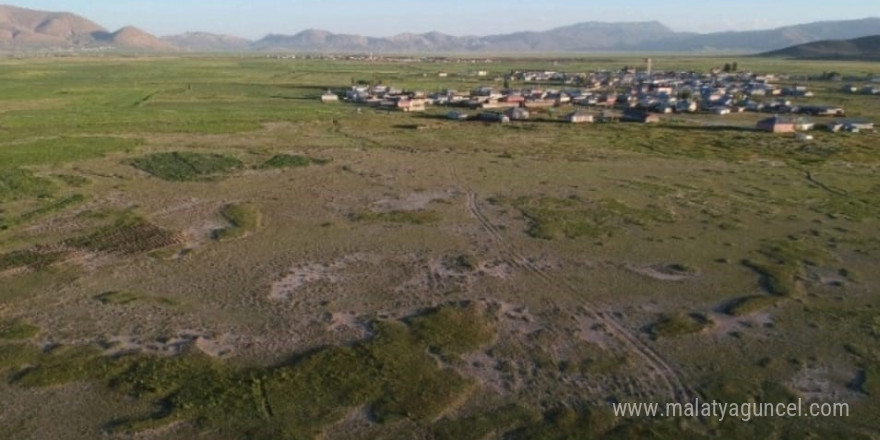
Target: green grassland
<point x="197" y="247"/>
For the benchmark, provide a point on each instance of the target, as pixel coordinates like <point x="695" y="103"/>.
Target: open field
<point x="196" y="247"/>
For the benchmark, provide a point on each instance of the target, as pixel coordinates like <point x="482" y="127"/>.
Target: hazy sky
<point x="255" y="18"/>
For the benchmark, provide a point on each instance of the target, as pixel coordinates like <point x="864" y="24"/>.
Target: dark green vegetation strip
<point x="121" y="298"/>
<point x="292" y="161"/>
<point x="393" y="374"/>
<point x="49" y="208"/>
<point x="185" y="166"/>
<point x="34" y="259"/>
<point x="245" y="218"/>
<point x="419" y="217"/>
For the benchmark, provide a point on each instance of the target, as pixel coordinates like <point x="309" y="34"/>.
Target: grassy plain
<point x="196" y="246"/>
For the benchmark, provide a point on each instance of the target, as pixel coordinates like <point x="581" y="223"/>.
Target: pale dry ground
<point x="312" y="276"/>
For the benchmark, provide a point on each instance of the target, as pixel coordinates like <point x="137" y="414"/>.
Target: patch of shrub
<point x="185" y="166"/>
<point x="751" y="304"/>
<point x="778" y="279"/>
<point x="13" y="356"/>
<point x="56" y="206"/>
<point x="453" y="330"/>
<point x="69" y="364"/>
<point x="17" y="184"/>
<point x="128" y="235"/>
<point x="420" y="217"/>
<point x="34" y="259"/>
<point x="555" y="218"/>
<point x="393" y="374"/>
<point x="244" y="218"/>
<point x="680" y="325"/>
<point x="17" y="330"/>
<point x="115" y="298"/>
<point x="73" y="180"/>
<point x="293" y="161"/>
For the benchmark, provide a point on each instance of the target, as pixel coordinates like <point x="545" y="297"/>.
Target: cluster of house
<point x="681" y="92"/>
<point x="625" y="95"/>
<point x="384" y="97"/>
<point x="864" y="90"/>
<point x="779" y="124"/>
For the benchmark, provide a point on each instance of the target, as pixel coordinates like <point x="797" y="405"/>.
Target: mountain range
<point x="26" y="30"/>
<point x="865" y="48"/>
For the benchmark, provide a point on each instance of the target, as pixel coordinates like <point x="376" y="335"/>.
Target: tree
<point x="735" y="66"/>
<point x="726" y="68"/>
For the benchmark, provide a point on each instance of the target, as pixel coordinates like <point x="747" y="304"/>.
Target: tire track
<point x="660" y="372"/>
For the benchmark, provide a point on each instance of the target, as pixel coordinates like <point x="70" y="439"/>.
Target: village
<point x="624" y="95"/>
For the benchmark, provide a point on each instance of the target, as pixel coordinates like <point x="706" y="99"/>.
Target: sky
<point x="380" y="18"/>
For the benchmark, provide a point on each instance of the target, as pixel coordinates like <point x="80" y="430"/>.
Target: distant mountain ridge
<point x="864" y="48"/>
<point x="208" y="42"/>
<point x="25" y="29"/>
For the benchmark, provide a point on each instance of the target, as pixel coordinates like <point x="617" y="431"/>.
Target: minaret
<point x="650" y="64"/>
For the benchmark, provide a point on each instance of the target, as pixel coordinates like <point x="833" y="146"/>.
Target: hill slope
<point x="770" y="39"/>
<point x="131" y="37"/>
<point x="865" y="48"/>
<point x="28" y="29"/>
<point x="20" y="27"/>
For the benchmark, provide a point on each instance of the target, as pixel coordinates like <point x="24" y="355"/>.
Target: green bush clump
<point x="452" y="330"/>
<point x="186" y="166"/>
<point x="751" y="304"/>
<point x="778" y="279"/>
<point x="680" y="325"/>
